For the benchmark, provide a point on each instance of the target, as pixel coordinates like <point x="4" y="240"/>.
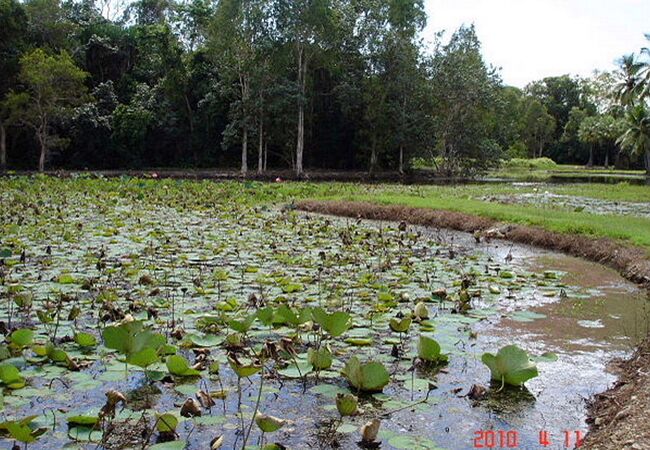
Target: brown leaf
<point x="370" y="430"/>
<point x="205" y="399"/>
<point x="191" y="408"/>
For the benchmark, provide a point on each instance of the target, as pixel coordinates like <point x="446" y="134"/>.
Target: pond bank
<point x="631" y="262"/>
<point x="618" y="417"/>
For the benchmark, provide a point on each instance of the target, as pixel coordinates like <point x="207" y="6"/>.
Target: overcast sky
<point x="531" y="39"/>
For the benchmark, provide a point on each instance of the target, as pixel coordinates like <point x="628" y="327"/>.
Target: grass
<point x="465" y="199"/>
<point x="631" y="229"/>
<point x="544" y="169"/>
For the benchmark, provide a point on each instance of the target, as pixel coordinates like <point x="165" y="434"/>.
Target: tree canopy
<point x="285" y="84"/>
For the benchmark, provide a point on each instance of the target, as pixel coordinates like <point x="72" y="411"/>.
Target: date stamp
<point x="510" y="439"/>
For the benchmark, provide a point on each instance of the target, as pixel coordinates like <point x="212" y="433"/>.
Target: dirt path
<point x="618" y="418"/>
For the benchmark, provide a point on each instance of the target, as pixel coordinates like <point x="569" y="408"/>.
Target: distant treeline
<point x="257" y="84"/>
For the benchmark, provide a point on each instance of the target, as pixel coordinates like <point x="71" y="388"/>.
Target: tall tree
<point x="307" y="26"/>
<point x="13" y="22"/>
<point x="464" y="90"/>
<point x="237" y="36"/>
<point x="54" y="85"/>
<point x="636" y="138"/>
<point x="405" y="78"/>
<point x="539" y="127"/>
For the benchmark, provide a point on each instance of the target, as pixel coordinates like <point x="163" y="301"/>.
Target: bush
<point x="517" y="150"/>
<point x="537" y="163"/>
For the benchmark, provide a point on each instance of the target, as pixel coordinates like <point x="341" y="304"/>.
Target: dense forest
<point x="290" y="84"/>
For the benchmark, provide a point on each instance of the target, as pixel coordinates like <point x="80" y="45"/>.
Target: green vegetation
<point x="153" y="293"/>
<point x="290" y="84"/>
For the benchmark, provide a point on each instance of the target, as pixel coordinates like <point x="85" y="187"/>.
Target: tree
<point x="559" y="95"/>
<point x="633" y="94"/>
<point x="54" y="85"/>
<point x="307" y="26"/>
<point x="636" y="138"/>
<point x="539" y="127"/>
<point x="464" y="92"/>
<point x="13" y="22"/>
<point x="237" y="37"/>
<point x="404" y="75"/>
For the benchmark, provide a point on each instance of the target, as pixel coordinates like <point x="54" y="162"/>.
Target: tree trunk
<point x="373" y="157"/>
<point x="401" y="159"/>
<point x="244" y="152"/>
<point x="302" y="78"/>
<point x="190" y="120"/>
<point x="3" y="147"/>
<point x="243" y="84"/>
<point x="647" y="162"/>
<point x="607" y="159"/>
<point x="266" y="154"/>
<point x="590" y="163"/>
<point x="617" y="159"/>
<point x="41" y="159"/>
<point x="260" y="148"/>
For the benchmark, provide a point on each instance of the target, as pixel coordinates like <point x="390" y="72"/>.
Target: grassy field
<point x="544" y="169"/>
<point x="634" y="230"/>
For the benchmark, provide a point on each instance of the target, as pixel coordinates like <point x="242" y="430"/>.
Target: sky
<point x="533" y="39"/>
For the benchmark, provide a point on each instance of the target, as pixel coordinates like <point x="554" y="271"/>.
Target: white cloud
<point x="531" y="39"/>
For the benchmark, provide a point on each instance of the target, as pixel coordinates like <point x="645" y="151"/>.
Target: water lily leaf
<point x="265" y="315"/>
<point x="206" y="340"/>
<point x="412" y="442"/>
<point x="545" y="357"/>
<point x="283" y="315"/>
<point x="116" y="338"/>
<point x="244" y="370"/>
<point x="66" y="278"/>
<point x="296" y="371"/>
<point x="56" y="354"/>
<point x="85" y="339"/>
<point x="166" y="423"/>
<point x="511" y="365"/>
<point x="400" y="325"/>
<point x="269" y="424"/>
<point x="242" y="326"/>
<point x="22" y="430"/>
<point x="11" y="376"/>
<point x="144" y="358"/>
<point x="335" y="324"/>
<point x="83" y="420"/>
<point x="347" y="404"/>
<point x="429" y="350"/>
<point x="179" y="366"/>
<point x="368" y="377"/>
<point x="359" y="341"/>
<point x="22" y="337"/>
<point x="131" y="337"/>
<point x="172" y="445"/>
<point x="347" y="428"/>
<point x="320" y="359"/>
<point x="84" y="434"/>
<point x="4" y="353"/>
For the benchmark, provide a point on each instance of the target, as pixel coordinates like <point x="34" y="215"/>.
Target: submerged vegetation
<point x="137" y="312"/>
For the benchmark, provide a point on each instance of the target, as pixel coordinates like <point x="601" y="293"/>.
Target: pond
<point x="230" y="285"/>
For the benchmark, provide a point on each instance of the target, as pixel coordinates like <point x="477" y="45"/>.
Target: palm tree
<point x="630" y="86"/>
<point x="636" y="139"/>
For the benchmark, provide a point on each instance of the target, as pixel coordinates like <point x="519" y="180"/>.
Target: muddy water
<point x="603" y="320"/>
